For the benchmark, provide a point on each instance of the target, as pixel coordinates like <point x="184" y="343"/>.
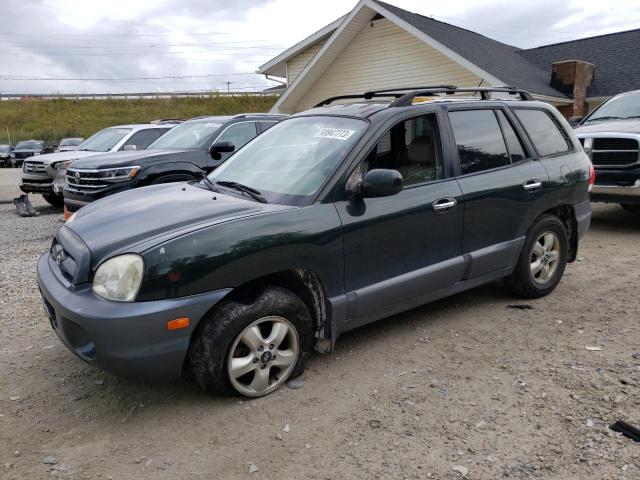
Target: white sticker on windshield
<point x="213" y="125"/>
<point x="336" y="133"/>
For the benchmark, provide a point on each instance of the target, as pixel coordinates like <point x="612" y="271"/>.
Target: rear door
<point x="502" y="183"/>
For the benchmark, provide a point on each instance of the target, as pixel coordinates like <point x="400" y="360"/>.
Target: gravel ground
<point x="465" y="387"/>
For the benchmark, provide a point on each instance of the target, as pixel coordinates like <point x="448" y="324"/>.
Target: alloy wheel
<point x="263" y="356"/>
<point x="545" y="257"/>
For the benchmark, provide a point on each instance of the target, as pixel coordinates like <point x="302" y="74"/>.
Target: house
<point x="378" y="45"/>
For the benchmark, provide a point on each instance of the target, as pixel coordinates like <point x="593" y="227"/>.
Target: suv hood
<point x="123" y="222"/>
<point x="620" y="126"/>
<point x="134" y="157"/>
<point x="50" y="158"/>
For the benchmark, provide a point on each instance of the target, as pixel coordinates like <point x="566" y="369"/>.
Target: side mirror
<point x="221" y="147"/>
<point x="380" y="183"/>
<point x="129" y="148"/>
<point x="574" y="121"/>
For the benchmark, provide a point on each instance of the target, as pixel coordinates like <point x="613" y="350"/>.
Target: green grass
<point x="51" y="120"/>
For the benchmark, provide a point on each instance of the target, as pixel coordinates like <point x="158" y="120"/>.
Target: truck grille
<point x="615" y="152"/>
<point x="83" y="181"/>
<point x="22" y="154"/>
<point x="34" y="167"/>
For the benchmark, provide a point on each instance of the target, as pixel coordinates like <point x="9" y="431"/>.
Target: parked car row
<point x="15" y="157"/>
<point x="317" y="224"/>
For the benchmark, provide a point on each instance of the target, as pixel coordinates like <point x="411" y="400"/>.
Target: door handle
<point x="530" y="185"/>
<point x="444" y="204"/>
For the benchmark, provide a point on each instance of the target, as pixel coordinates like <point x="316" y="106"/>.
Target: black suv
<point x="187" y="152"/>
<point x="611" y="137"/>
<point x="332" y="219"/>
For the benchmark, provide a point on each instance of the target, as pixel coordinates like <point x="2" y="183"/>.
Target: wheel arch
<point x="567" y="215"/>
<point x="306" y="285"/>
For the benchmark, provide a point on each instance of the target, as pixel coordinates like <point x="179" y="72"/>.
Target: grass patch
<point x="51" y="120"/>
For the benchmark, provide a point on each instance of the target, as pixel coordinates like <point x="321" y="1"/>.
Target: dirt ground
<point x="465" y="387"/>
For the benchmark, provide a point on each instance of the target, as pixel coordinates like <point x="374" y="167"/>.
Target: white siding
<point x="384" y="55"/>
<point x="297" y="63"/>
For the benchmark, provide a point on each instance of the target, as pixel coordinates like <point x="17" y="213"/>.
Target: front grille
<point x="34" y="167"/>
<point x="615" y="152"/>
<point x="615" y="144"/>
<point x="22" y="154"/>
<point x="64" y="260"/>
<point x="84" y="181"/>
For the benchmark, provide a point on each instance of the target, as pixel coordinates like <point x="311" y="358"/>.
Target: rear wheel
<point x="542" y="260"/>
<point x="252" y="348"/>
<point x="53" y="199"/>
<point x="631" y="207"/>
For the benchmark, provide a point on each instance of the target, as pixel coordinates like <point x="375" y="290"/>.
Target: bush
<point x="51" y="120"/>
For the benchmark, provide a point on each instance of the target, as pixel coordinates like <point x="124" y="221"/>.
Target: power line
<point x="176" y="77"/>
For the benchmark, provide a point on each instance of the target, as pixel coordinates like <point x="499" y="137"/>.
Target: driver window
<point x="411" y="147"/>
<point x="239" y="134"/>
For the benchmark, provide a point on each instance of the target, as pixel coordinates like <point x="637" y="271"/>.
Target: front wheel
<point x="252" y="348"/>
<point x="631" y="207"/>
<point x="542" y="260"/>
<point x="53" y="199"/>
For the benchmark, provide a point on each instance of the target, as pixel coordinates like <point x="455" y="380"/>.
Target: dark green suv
<point x="332" y="219"/>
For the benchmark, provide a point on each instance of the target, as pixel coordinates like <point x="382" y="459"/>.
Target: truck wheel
<point x="53" y="199"/>
<point x="542" y="260"/>
<point x="251" y="348"/>
<point x="631" y="207"/>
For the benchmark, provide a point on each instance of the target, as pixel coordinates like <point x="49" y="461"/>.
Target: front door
<point x="400" y="247"/>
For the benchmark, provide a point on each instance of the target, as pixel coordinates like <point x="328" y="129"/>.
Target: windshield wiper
<point x="210" y="185"/>
<point x="252" y="192"/>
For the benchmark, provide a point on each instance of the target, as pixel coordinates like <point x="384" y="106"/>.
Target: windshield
<point x="5" y="148"/>
<point x="70" y="142"/>
<point x="291" y="161"/>
<point x="187" y="136"/>
<point x="104" y="140"/>
<point x="29" y="145"/>
<point x="624" y="106"/>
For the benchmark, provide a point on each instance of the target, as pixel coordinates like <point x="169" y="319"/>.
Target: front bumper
<point x="74" y="200"/>
<point x="616" y="193"/>
<point x="128" y="339"/>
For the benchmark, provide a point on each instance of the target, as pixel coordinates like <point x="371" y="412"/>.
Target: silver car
<point x="45" y="174"/>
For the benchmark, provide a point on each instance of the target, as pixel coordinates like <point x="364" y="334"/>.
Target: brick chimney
<point x="573" y="77"/>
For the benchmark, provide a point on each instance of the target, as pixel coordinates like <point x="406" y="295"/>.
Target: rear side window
<point x="143" y="138"/>
<point x="544" y="131"/>
<point x="516" y="150"/>
<point x="478" y="136"/>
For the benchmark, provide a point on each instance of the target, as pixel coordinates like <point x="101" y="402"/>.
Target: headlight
<point x="119" y="278"/>
<point x="63" y="165"/>
<point x="118" y="174"/>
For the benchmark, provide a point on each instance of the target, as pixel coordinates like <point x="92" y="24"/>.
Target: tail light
<point x="592" y="176"/>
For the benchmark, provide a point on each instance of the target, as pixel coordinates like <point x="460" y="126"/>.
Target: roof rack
<point x="260" y="114"/>
<point x="160" y="121"/>
<point x="403" y="99"/>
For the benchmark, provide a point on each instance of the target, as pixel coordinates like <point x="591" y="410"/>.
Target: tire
<point x="631" y="207"/>
<point x="222" y="333"/>
<point x="53" y="199"/>
<point x="536" y="273"/>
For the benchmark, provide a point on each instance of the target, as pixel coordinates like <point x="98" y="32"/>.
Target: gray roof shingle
<point x="499" y="59"/>
<point x="615" y="56"/>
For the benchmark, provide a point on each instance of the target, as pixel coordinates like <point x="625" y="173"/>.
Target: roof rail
<point x="403" y="99"/>
<point x="259" y="114"/>
<point x="485" y="93"/>
<point x="167" y="120"/>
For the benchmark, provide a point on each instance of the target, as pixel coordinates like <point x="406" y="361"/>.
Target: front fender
<point x="233" y="253"/>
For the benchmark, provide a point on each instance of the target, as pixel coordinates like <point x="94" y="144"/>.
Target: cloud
<point x="155" y="38"/>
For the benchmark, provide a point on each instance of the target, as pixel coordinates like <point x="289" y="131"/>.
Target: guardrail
<point x="134" y="95"/>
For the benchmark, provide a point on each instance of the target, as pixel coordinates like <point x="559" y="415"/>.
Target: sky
<point x="108" y="43"/>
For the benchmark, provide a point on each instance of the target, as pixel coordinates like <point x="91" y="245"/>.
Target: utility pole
<point x="228" y="88"/>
